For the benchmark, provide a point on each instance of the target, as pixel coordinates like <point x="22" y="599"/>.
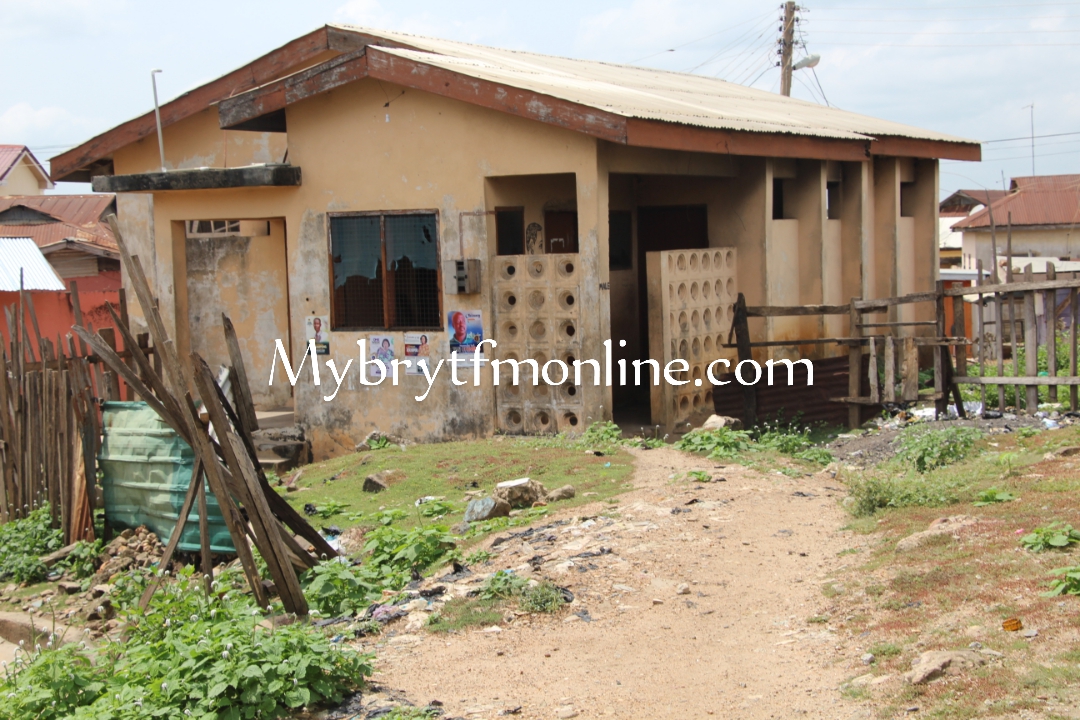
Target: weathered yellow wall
<point x="22" y="180"/>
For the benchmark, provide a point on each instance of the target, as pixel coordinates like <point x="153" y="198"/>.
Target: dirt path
<point x="753" y="550"/>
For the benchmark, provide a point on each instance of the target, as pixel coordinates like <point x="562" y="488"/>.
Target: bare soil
<point x="754" y="552"/>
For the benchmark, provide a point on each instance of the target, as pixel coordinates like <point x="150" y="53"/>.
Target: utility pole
<point x="786" y="47"/>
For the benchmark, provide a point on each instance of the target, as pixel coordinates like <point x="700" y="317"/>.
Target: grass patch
<point x="885" y="649"/>
<point x="448" y="471"/>
<point x="463" y="613"/>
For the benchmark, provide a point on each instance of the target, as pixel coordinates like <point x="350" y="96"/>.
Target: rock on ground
<point x="941" y="526"/>
<point x="935" y="663"/>
<point x="521" y="493"/>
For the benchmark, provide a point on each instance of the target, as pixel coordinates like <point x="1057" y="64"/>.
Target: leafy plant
<point x="82" y="561"/>
<point x="603" y="432"/>
<point x="379" y="443"/>
<point x="701" y="476"/>
<point x="389" y="517"/>
<point x="396" y="554"/>
<point x="478" y="557"/>
<point x="926" y="450"/>
<point x="502" y="585"/>
<point x="719" y="444"/>
<point x="1067" y="584"/>
<point x="186" y="655"/>
<point x="437" y="508"/>
<point x="992" y="496"/>
<point x="460" y="613"/>
<point x="1026" y="432"/>
<point x="876" y="491"/>
<point x="330" y="509"/>
<point x="1053" y="536"/>
<point x="1008" y="459"/>
<point x="545" y="597"/>
<point x="335" y="589"/>
<point x="24" y="541"/>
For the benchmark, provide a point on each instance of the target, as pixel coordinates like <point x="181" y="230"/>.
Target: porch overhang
<point x="201" y="179"/>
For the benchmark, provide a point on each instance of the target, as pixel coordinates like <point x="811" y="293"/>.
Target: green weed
<point x="992" y="496"/>
<point x="1068" y="582"/>
<point x="461" y="613"/>
<point x="24" y="541"/>
<point x="543" y="598"/>
<point x="1053" y="536"/>
<point x="502" y="585"/>
<point x="926" y="450"/>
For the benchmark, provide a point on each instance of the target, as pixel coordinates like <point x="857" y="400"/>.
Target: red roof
<point x="10" y="156"/>
<point x="1043" y="200"/>
<point x="78" y="217"/>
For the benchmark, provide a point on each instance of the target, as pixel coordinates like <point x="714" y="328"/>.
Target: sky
<point x="964" y="67"/>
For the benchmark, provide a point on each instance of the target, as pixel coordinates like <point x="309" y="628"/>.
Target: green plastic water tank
<point x="146" y="470"/>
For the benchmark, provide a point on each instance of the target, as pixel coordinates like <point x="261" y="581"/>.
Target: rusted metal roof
<point x="77" y="217"/>
<point x="22" y="254"/>
<point x="1046" y="200"/>
<point x="10" y="155"/>
<point x="648" y="94"/>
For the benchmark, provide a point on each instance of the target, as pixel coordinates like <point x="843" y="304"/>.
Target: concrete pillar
<point x="879" y="278"/>
<point x="924" y="209"/>
<point x="844" y="267"/>
<point x="135" y="216"/>
<point x="782" y="276"/>
<point x="807" y="203"/>
<point x="592" y="209"/>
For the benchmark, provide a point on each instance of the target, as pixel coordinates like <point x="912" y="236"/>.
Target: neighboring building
<point x="357" y="184"/>
<point x="1044" y="212"/>
<point x="72" y="234"/>
<point x="21" y="173"/>
<point x="22" y="266"/>
<point x="952" y="209"/>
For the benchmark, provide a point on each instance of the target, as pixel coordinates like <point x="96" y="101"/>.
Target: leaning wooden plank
<point x="882" y="303"/>
<point x="909" y="370"/>
<point x="789" y="310"/>
<point x="77" y="310"/>
<point x="174" y="537"/>
<point x="278" y="505"/>
<point x="215" y="476"/>
<point x="146" y="371"/>
<point x="875" y="384"/>
<point x="206" y="559"/>
<point x="33" y="319"/>
<point x="113" y="361"/>
<point x="112" y="383"/>
<point x="854" y="364"/>
<point x="263" y="522"/>
<point x="890" y="369"/>
<point x="245" y="406"/>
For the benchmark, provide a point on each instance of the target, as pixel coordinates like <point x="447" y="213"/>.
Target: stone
<point x="716" y="422"/>
<point x="1029" y="633"/>
<point x="485" y="509"/>
<point x="862" y="680"/>
<point x="1068" y="451"/>
<point x="69" y="588"/>
<point x="682" y="589"/>
<point x="938" y="528"/>
<point x="868" y="659"/>
<point x="933" y="664"/>
<point x="520" y="493"/>
<point x="101" y="610"/>
<point x="566" y="712"/>
<point x="564" y="493"/>
<point x="381" y="480"/>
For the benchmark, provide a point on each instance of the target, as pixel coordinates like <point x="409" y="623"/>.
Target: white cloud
<point x="46" y="127"/>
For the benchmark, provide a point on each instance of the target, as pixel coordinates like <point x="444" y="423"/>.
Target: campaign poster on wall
<point x="466" y="331"/>
<point x="380" y="347"/>
<point x="317" y="328"/>
<point x="419" y="350"/>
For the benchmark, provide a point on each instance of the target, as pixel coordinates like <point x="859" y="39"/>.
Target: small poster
<point x="381" y="348"/>
<point x="317" y="328"/>
<point x="466" y="331"/>
<point x="418" y="350"/>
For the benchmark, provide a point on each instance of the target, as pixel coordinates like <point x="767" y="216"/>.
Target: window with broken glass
<point x="385" y="271"/>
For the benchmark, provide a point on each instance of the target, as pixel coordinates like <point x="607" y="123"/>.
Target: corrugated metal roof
<point x="648" y="94"/>
<point x="23" y="254"/>
<point x="1047" y="200"/>
<point x="79" y="215"/>
<point x="10" y="156"/>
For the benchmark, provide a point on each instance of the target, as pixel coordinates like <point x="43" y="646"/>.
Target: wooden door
<point x="560" y="232"/>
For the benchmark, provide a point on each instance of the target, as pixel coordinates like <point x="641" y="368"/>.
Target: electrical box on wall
<point x="461" y="277"/>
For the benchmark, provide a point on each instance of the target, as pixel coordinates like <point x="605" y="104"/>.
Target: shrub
<point x="82" y="560"/>
<point x="719" y="444"/>
<point x="1067" y="584"/>
<point x="186" y="655"/>
<point x="502" y="585"/>
<point x="544" y="598"/>
<point x="927" y="450"/>
<point x="24" y="541"/>
<point x="396" y="554"/>
<point x="992" y="496"/>
<point x="1053" y="536"/>
<point x="873" y="492"/>
<point x="335" y="589"/>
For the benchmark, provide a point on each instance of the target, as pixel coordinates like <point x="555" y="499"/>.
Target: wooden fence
<point x="900" y="348"/>
<point x="50" y="422"/>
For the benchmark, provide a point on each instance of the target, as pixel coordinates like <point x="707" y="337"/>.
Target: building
<point x="362" y="185"/>
<point x="23" y="267"/>
<point x="953" y="209"/>
<point x="71" y="232"/>
<point x="21" y="173"/>
<point x="1043" y="212"/>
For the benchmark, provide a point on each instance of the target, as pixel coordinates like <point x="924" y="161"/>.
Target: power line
<point x="954" y="46"/>
<point x="968" y="20"/>
<point x="935" y="32"/>
<point x="704" y="37"/>
<point x="1028" y="156"/>
<point x="945" y="7"/>
<point x="1028" y="137"/>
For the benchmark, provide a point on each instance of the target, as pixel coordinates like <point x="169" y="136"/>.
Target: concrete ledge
<point x="201" y="179"/>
